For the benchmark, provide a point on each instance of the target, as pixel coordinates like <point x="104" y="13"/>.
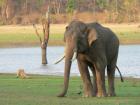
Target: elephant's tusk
<point x="74" y="56"/>
<point x="59" y="60"/>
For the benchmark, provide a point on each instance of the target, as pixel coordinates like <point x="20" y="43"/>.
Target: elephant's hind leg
<point x="83" y="68"/>
<point x="111" y="74"/>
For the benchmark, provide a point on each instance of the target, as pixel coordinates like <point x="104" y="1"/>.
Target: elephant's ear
<point x="92" y="36"/>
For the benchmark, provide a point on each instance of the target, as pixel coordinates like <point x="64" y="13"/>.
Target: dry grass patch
<point x="12" y="34"/>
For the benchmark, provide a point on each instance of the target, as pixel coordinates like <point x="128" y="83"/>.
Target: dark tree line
<point x="19" y="11"/>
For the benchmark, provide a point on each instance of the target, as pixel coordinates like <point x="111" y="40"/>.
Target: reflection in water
<point x="12" y="59"/>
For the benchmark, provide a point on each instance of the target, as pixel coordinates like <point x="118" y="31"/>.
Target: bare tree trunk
<point x="44" y="53"/>
<point x="58" y="6"/>
<point x="25" y="8"/>
<point x="94" y="10"/>
<point x="10" y="9"/>
<point x="45" y="41"/>
<point x="7" y="10"/>
<point x="3" y="11"/>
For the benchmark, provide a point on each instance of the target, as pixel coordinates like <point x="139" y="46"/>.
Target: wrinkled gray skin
<point x="97" y="48"/>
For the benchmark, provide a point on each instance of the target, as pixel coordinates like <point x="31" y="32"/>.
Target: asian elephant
<point x="96" y="47"/>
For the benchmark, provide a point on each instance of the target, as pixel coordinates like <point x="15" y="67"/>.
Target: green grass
<point x="42" y="90"/>
<point x="25" y="35"/>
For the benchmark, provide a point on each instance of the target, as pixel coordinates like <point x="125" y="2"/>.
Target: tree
<point x="44" y="42"/>
<point x="70" y="6"/>
<point x="7" y="9"/>
<point x="130" y="6"/>
<point x="10" y="12"/>
<point x="3" y="5"/>
<point x="94" y="9"/>
<point x="102" y="4"/>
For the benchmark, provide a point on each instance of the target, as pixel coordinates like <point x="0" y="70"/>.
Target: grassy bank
<point x="42" y="90"/>
<point x="25" y="35"/>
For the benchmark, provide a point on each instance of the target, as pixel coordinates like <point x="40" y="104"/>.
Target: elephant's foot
<point x="111" y="94"/>
<point x="88" y="94"/>
<point x="94" y="93"/>
<point x="61" y="95"/>
<point x="101" y="94"/>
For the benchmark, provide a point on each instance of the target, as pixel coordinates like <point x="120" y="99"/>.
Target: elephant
<point x="95" y="47"/>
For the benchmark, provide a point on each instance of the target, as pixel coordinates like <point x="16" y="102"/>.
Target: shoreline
<point x="51" y="43"/>
<point x="56" y="75"/>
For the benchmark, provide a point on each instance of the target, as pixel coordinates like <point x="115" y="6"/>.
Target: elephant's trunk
<point x="68" y="60"/>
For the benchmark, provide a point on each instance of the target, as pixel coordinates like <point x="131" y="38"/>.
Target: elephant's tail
<point x="120" y="74"/>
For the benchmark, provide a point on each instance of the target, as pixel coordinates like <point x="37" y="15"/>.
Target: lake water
<point x="11" y="59"/>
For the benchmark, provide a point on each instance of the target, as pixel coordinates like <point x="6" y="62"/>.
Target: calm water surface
<point x="11" y="59"/>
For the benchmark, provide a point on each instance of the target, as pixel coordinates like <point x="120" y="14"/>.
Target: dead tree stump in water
<point x="44" y="42"/>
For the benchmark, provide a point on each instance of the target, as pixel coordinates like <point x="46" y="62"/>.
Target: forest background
<point x="26" y="12"/>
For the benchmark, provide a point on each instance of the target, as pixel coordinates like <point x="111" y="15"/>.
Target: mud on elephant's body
<point x="96" y="47"/>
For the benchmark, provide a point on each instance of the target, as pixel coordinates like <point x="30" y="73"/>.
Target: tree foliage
<point x="16" y="11"/>
<point x="70" y="6"/>
<point x="102" y="3"/>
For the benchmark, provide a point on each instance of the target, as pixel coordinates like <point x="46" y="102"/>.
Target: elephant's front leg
<point x="83" y="68"/>
<point x="100" y="77"/>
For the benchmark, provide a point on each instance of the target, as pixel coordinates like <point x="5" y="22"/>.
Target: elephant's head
<point x="78" y="38"/>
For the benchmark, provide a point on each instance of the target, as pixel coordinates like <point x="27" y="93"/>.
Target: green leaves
<point x="70" y="6"/>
